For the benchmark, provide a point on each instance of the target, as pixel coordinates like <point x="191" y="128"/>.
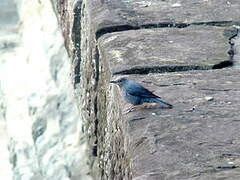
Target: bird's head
<point x="120" y="81"/>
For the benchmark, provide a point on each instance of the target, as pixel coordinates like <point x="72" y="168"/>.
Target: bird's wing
<point x="136" y="89"/>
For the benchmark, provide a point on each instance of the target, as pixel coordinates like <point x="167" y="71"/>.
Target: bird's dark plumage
<point x="136" y="94"/>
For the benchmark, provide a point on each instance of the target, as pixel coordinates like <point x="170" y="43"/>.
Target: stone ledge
<point x="197" y="139"/>
<point x="116" y="15"/>
<point x="206" y="23"/>
<point x="164" y="49"/>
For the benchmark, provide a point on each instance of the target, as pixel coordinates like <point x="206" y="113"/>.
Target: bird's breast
<point x="135" y="100"/>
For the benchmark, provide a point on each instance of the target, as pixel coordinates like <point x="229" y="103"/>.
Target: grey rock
<point x="40" y="112"/>
<point x="235" y="42"/>
<point x="165" y="49"/>
<point x="108" y="15"/>
<point x="183" y="144"/>
<point x="164" y="144"/>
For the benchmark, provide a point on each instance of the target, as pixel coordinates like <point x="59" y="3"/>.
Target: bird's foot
<point x="130" y="109"/>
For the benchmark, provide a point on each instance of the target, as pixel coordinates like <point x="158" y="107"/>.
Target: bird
<point x="135" y="94"/>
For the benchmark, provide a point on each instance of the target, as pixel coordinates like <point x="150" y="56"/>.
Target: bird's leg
<point x="129" y="109"/>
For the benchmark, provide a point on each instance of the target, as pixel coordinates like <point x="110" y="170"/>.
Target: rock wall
<point x="105" y="137"/>
<point x="62" y="118"/>
<point x="45" y="139"/>
<point x="171" y="47"/>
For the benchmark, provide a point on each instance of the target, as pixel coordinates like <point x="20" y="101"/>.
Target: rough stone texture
<point x="57" y="132"/>
<point x="235" y="43"/>
<point x="91" y="81"/>
<point x="65" y="10"/>
<point x="69" y="15"/>
<point x="198" y="138"/>
<point x="165" y="49"/>
<point x="43" y="123"/>
<point x="198" y="39"/>
<point x="123" y="14"/>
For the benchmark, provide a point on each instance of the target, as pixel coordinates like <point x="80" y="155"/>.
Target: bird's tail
<point x="159" y="101"/>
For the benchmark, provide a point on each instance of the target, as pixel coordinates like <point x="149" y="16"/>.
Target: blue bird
<point x="136" y="94"/>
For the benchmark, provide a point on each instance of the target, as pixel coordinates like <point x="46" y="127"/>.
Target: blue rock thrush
<point x="136" y="94"/>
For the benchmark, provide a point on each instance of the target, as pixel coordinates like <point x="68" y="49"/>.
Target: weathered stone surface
<point x="106" y="15"/>
<point x="65" y="12"/>
<point x="40" y="111"/>
<point x="48" y="130"/>
<point x="197" y="139"/>
<point x="235" y="44"/>
<point x="85" y="73"/>
<point x="165" y="49"/>
<point x="69" y="16"/>
<point x="102" y="122"/>
<point x="99" y="50"/>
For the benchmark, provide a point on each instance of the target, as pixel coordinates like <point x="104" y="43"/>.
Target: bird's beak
<point x="113" y="82"/>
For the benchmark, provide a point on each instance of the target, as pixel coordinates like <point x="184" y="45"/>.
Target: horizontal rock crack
<point x="126" y="27"/>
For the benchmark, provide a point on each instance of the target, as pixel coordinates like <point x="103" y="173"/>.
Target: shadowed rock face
<point x="146" y="40"/>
